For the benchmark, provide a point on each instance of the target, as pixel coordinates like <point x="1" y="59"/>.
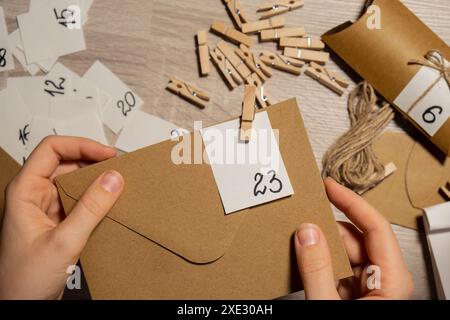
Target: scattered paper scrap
<point x="6" y="59"/>
<point x="86" y="125"/>
<point x="15" y="121"/>
<point x="437" y="229"/>
<point x="51" y="29"/>
<point x="144" y="130"/>
<point x="124" y="102"/>
<point x="16" y="44"/>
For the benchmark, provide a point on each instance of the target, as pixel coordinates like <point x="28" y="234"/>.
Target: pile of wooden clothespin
<point x="240" y="65"/>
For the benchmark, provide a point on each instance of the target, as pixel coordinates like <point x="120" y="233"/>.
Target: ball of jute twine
<point x="351" y="160"/>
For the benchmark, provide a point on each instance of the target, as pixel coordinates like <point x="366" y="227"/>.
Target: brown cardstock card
<point x="168" y="236"/>
<point x="381" y="56"/>
<point x="9" y="168"/>
<point x="414" y="186"/>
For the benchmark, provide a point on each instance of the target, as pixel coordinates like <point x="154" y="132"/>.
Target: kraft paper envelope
<point x="415" y="185"/>
<point x="168" y="236"/>
<point x="381" y="56"/>
<point x="9" y="168"/>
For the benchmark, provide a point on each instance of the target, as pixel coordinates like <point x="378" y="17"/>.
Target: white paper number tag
<point x="246" y="174"/>
<point x="433" y="110"/>
<point x="144" y="130"/>
<point x="15" y="122"/>
<point x="6" y="59"/>
<point x="124" y="102"/>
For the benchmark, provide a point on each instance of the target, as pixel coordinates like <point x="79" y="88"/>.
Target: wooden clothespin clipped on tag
<point x="275" y="34"/>
<point x="248" y="113"/>
<point x="307" y="55"/>
<point x="231" y="56"/>
<point x="303" y="43"/>
<point x="231" y="34"/>
<point x="254" y="27"/>
<point x="236" y="12"/>
<point x="188" y="92"/>
<point x="279" y="7"/>
<point x="231" y="76"/>
<point x="203" y="52"/>
<point x="263" y="99"/>
<point x="445" y="190"/>
<point x="253" y="62"/>
<point x="327" y="78"/>
<point x="281" y="62"/>
<point x="389" y="169"/>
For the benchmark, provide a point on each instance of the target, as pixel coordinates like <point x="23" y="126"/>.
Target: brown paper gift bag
<point x="382" y="56"/>
<point x="168" y="237"/>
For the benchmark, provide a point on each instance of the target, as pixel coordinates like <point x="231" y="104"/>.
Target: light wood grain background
<point x="146" y="41"/>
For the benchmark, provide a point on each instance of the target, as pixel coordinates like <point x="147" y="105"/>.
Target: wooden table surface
<point x="146" y="41"/>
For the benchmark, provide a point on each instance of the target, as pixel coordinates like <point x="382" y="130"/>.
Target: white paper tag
<point x="86" y="125"/>
<point x="432" y="111"/>
<point x="437" y="229"/>
<point x="6" y="50"/>
<point x="63" y="109"/>
<point x="52" y="29"/>
<point x="15" y="121"/>
<point x="246" y="174"/>
<point x="144" y="130"/>
<point x="124" y="102"/>
<point x="16" y="44"/>
<point x="37" y="92"/>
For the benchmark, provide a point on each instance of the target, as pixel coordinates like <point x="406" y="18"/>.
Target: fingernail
<point x="111" y="181"/>
<point x="307" y="235"/>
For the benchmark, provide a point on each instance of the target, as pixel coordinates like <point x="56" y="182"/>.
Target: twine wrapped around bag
<point x="433" y="59"/>
<point x="351" y="160"/>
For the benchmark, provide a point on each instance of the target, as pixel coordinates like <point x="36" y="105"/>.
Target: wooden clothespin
<point x="253" y="27"/>
<point x="279" y="7"/>
<point x="203" y="52"/>
<point x="445" y="190"/>
<point x="303" y="43"/>
<point x="263" y="99"/>
<point x="389" y="169"/>
<point x="281" y="62"/>
<point x="253" y="62"/>
<point x="231" y="56"/>
<point x="188" y="92"/>
<point x="231" y="34"/>
<point x="275" y="34"/>
<point x="307" y="55"/>
<point x="236" y="12"/>
<point x="232" y="77"/>
<point x="248" y="113"/>
<point x="327" y="78"/>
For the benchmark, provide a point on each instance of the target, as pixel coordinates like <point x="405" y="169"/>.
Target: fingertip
<point x="307" y="234"/>
<point x="112" y="182"/>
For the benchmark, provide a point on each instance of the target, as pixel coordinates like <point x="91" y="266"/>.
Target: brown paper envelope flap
<point x="390" y="197"/>
<point x="9" y="168"/>
<point x="198" y="231"/>
<point x="426" y="173"/>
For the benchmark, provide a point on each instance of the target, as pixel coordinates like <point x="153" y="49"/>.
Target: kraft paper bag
<point x="168" y="236"/>
<point x="9" y="169"/>
<point x="382" y="57"/>
<point x="421" y="171"/>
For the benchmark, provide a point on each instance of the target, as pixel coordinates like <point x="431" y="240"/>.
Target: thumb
<point x="314" y="263"/>
<point x="90" y="210"/>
